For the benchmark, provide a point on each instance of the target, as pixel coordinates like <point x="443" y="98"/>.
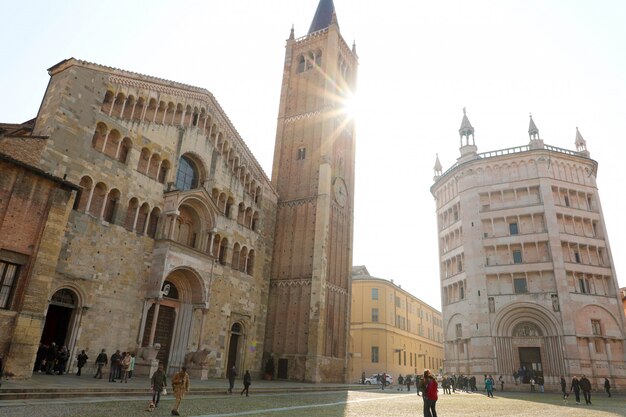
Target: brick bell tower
<point x="313" y="172"/>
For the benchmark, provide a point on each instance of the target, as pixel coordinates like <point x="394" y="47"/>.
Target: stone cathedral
<point x="134" y="217"/>
<point x="527" y="275"/>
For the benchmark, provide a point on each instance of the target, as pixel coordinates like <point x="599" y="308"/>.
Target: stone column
<point x="155" y="317"/>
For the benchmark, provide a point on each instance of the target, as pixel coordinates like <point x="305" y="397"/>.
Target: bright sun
<point x="351" y="106"/>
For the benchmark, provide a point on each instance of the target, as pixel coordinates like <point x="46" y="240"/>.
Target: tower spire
<point x="466" y="130"/>
<point x="581" y="144"/>
<point x="437" y="168"/>
<point x="533" y="132"/>
<point x="324" y="16"/>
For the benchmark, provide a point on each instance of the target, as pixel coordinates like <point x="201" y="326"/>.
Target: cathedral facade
<point x="176" y="235"/>
<point x="527" y="276"/>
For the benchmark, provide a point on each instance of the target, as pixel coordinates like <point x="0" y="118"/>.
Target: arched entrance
<point x="168" y="319"/>
<point x="234" y="345"/>
<point x="165" y="313"/>
<point x="60" y="318"/>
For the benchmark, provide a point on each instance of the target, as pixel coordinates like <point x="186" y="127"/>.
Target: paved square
<point x="329" y="404"/>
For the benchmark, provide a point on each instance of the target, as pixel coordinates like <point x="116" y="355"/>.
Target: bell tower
<point x="313" y="172"/>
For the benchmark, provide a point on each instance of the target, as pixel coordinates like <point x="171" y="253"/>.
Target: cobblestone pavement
<point x="329" y="404"/>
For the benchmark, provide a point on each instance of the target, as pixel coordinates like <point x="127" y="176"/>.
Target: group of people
<point x="122" y="365"/>
<point x="180" y="386"/>
<point x="582" y="384"/>
<point x="51" y="359"/>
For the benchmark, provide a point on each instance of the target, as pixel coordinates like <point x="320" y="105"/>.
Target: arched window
<point x="87" y="184"/>
<point x="163" y="170"/>
<point x="187" y="175"/>
<point x="142" y="218"/>
<point x="97" y="142"/>
<point x="229" y="205"/>
<point x="144" y="160"/>
<point x="111" y="205"/>
<point x="301" y="63"/>
<point x="131" y="213"/>
<point x="222" y="254"/>
<point x="243" y="257"/>
<point x="250" y="264"/>
<point x="125" y="147"/>
<point x="97" y="200"/>
<point x="153" y="221"/>
<point x="236" y="252"/>
<point x="255" y="221"/>
<point x="64" y="298"/>
<point x="108" y="101"/>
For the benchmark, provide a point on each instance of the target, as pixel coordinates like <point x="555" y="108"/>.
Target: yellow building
<point x="391" y="330"/>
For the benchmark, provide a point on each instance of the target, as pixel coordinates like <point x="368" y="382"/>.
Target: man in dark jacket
<point x="82" y="360"/>
<point x="101" y="362"/>
<point x="575" y="386"/>
<point x="585" y="385"/>
<point x="51" y="358"/>
<point x="116" y="366"/>
<point x="232" y="374"/>
<point x="607" y="386"/>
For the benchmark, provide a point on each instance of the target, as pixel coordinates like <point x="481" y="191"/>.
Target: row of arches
<point x="246" y="216"/>
<point x="136" y="109"/>
<point x="102" y="202"/>
<point x="110" y="142"/>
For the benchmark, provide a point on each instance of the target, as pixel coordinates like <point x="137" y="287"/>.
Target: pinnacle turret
<point x="533" y="132"/>
<point x="437" y="168"/>
<point x="466" y="130"/>
<point x="581" y="144"/>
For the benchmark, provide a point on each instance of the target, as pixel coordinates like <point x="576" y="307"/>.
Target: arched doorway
<point x="60" y="317"/>
<point x="234" y="345"/>
<point x="168" y="319"/>
<point x="161" y="332"/>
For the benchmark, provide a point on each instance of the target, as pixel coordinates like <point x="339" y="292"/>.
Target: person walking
<point x="400" y="383"/>
<point x="158" y="383"/>
<point x="501" y="379"/>
<point x="532" y="384"/>
<point x="101" y="361"/>
<point x="429" y="394"/>
<point x="247" y="381"/>
<point x="232" y="374"/>
<point x="564" y="388"/>
<point x="180" y="385"/>
<point x="607" y="386"/>
<point x="408" y="382"/>
<point x="575" y="386"/>
<point x="585" y="385"/>
<point x="383" y="380"/>
<point x="81" y="361"/>
<point x="489" y="386"/>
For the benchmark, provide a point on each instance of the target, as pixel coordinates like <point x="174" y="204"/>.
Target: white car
<point x="375" y="380"/>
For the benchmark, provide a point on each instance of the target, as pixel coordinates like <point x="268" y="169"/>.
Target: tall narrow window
<point x="461" y="291"/>
<point x="492" y="305"/>
<point x="8" y="275"/>
<point x="513" y="228"/>
<point x="566" y="201"/>
<point x="517" y="256"/>
<point x="577" y="257"/>
<point x="374" y="293"/>
<point x="375" y="315"/>
<point x="374" y="354"/>
<point x="187" y="175"/>
<point x="459" y="330"/>
<point x="301" y="156"/>
<point x="583" y="283"/>
<point x="596" y="328"/>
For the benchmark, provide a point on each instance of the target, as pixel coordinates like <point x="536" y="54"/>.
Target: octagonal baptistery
<point x="528" y="282"/>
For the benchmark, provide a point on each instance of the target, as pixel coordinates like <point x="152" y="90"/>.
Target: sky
<point x="420" y="63"/>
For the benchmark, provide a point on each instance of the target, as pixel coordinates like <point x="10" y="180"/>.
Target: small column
<point x="136" y="217"/>
<point x="155" y="317"/>
<point x="104" y="143"/>
<point x="202" y="321"/>
<point x="88" y="206"/>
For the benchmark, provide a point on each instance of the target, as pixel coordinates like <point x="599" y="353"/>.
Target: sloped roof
<point x="323" y="15"/>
